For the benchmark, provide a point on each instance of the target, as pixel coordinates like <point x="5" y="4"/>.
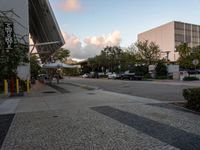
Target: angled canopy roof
<point x="44" y="28"/>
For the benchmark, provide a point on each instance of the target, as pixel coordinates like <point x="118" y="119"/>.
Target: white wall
<point x="164" y="36"/>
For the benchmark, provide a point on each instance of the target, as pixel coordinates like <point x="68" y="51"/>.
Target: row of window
<point x="189" y="44"/>
<point x="187" y="32"/>
<point x="181" y="26"/>
<point x="182" y="38"/>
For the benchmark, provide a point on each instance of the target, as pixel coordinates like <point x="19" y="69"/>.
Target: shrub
<point x="193" y="98"/>
<point x="161" y="77"/>
<point x="161" y="70"/>
<point x="190" y="78"/>
<point x="147" y="76"/>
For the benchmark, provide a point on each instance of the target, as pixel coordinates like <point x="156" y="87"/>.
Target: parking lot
<point x="165" y="90"/>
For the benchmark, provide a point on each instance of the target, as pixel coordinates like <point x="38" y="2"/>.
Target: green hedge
<point x="190" y="78"/>
<point x="161" y="77"/>
<point x="193" y="98"/>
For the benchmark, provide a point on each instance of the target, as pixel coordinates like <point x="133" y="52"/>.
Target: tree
<point x="128" y="58"/>
<point x="147" y="53"/>
<point x="61" y="54"/>
<point x="110" y="58"/>
<point x="113" y="56"/>
<point x="187" y="55"/>
<point x="184" y="55"/>
<point x="161" y="69"/>
<point x="35" y="67"/>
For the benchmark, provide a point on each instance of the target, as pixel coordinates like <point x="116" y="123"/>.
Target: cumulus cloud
<point x="70" y="5"/>
<point x="91" y="45"/>
<point x="110" y="39"/>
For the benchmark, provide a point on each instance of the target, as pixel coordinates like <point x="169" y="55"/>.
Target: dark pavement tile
<point x="165" y="133"/>
<point x="5" y="122"/>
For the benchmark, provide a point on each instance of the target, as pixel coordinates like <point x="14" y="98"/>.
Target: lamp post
<point x="167" y="53"/>
<point x="195" y="62"/>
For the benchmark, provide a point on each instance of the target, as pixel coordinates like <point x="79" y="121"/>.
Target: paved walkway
<point x="91" y="119"/>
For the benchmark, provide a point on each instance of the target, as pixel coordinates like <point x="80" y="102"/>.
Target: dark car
<point x="131" y="76"/>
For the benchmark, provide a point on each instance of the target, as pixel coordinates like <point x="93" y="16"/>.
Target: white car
<point x="86" y="75"/>
<point x="112" y="76"/>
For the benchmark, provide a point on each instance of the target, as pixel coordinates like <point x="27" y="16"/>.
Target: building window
<point x="179" y="25"/>
<point x="178" y="31"/>
<point x="179" y="37"/>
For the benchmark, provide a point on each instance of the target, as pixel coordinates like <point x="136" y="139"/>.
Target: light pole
<point x="195" y="62"/>
<point x="167" y="52"/>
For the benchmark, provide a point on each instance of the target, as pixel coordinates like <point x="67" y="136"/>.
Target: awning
<point x="44" y="28"/>
<point x="57" y="65"/>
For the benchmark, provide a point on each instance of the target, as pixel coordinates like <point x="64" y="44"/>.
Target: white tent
<point x="57" y="65"/>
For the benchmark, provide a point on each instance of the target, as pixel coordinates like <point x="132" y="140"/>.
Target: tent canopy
<point x="57" y="65"/>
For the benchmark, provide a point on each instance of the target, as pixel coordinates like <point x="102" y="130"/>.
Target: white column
<point x="184" y="34"/>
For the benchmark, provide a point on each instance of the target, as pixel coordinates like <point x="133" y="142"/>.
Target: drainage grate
<point x="55" y="116"/>
<point x="48" y="92"/>
<point x="58" y="88"/>
<point x="91" y="93"/>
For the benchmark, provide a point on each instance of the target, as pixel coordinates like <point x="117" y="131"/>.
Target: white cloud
<point x="70" y="5"/>
<point x="92" y="44"/>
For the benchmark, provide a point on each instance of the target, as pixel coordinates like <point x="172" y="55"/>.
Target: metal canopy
<point x="44" y="28"/>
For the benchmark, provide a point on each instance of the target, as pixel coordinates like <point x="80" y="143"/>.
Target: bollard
<point x="17" y="86"/>
<point x="28" y="86"/>
<point x="5" y="87"/>
<point x="12" y="87"/>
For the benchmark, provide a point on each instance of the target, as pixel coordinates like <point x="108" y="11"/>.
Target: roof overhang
<point x="44" y="28"/>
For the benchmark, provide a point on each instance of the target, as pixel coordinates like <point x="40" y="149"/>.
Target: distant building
<point x="172" y="34"/>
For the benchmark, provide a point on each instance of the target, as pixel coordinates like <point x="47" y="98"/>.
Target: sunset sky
<point x="90" y="25"/>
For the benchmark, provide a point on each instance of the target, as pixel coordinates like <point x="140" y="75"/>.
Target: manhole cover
<point x="49" y="92"/>
<point x="55" y="116"/>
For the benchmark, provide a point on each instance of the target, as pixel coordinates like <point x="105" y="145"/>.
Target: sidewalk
<point x="39" y="89"/>
<point x="98" y="120"/>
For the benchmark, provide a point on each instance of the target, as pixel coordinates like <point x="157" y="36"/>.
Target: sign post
<point x="195" y="62"/>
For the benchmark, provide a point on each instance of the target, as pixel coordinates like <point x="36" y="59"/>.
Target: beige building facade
<point x="172" y="34"/>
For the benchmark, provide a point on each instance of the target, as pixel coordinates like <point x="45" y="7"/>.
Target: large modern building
<point x="172" y="34"/>
<point x="32" y="19"/>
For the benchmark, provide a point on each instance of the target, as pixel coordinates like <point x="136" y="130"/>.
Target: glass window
<point x="178" y="31"/>
<point x="188" y="39"/>
<point x="179" y="38"/>
<point x="179" y="25"/>
<point x="187" y="26"/>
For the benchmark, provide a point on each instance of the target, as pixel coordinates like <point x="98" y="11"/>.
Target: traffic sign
<point x="195" y="62"/>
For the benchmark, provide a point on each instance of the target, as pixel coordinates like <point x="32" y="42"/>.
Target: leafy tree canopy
<point x="35" y="67"/>
<point x="147" y="53"/>
<point x="61" y="54"/>
<point x="187" y="55"/>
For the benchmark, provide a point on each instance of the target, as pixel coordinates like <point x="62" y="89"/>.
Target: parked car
<point x="130" y="76"/>
<point x="114" y="76"/>
<point x="86" y="75"/>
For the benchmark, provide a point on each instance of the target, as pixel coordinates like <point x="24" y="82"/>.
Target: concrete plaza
<point x="76" y="116"/>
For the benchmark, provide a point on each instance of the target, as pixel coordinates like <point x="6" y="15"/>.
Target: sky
<point x="90" y="25"/>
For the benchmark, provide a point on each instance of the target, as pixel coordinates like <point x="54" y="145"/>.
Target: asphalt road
<point x="160" y="90"/>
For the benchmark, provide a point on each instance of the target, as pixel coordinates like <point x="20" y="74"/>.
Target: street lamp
<point x="167" y="52"/>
